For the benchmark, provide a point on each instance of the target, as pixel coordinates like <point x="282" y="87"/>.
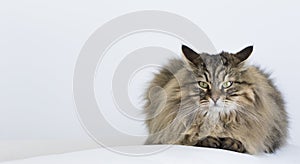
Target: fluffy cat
<point x="215" y="101"/>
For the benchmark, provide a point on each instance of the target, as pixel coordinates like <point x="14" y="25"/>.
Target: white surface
<point x="19" y="149"/>
<point x="172" y="155"/>
<point x="40" y="42"/>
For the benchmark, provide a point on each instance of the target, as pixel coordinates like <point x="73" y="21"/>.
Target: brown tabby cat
<point x="215" y="101"/>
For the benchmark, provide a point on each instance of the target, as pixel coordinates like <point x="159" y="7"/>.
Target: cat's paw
<point x="209" y="142"/>
<point x="232" y="144"/>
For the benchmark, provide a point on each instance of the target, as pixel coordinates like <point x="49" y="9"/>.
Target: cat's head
<point x="219" y="78"/>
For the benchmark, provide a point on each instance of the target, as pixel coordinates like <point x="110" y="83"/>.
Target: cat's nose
<point x="215" y="98"/>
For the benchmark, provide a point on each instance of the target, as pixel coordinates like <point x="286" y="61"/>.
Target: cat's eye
<point x="227" y="84"/>
<point x="203" y="84"/>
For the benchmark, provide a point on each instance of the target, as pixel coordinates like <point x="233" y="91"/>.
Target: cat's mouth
<point x="220" y="105"/>
<point x="217" y="103"/>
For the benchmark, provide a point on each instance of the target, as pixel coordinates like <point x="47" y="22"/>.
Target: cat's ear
<point x="244" y="54"/>
<point x="191" y="57"/>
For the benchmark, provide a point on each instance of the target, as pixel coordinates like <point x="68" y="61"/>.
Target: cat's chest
<point x="212" y="124"/>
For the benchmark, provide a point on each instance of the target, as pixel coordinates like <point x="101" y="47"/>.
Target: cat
<point x="215" y="101"/>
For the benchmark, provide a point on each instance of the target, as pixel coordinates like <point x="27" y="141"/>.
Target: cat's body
<point x="215" y="101"/>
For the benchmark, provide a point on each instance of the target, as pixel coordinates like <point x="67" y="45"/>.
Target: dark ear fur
<point x="244" y="53"/>
<point x="191" y="56"/>
<point x="237" y="58"/>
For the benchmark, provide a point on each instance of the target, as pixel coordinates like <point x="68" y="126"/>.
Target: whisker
<point x="193" y="95"/>
<point x="183" y="113"/>
<point x="243" y="110"/>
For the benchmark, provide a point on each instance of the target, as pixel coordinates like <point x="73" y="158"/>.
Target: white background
<point x="41" y="40"/>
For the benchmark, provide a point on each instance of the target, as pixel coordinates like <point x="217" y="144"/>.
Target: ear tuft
<point x="244" y="53"/>
<point x="191" y="56"/>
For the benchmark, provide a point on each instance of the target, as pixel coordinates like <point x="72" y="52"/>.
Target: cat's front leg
<point x="232" y="144"/>
<point x="209" y="141"/>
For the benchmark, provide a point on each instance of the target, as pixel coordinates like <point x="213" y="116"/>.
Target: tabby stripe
<point x="206" y="77"/>
<point x="219" y="71"/>
<point x="245" y="95"/>
<point x="242" y="82"/>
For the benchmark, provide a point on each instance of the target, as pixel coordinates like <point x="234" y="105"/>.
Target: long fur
<point x="178" y="111"/>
